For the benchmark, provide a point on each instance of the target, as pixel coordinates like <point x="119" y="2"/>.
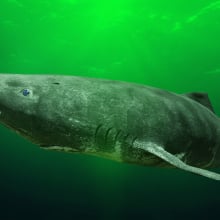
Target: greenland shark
<point x="122" y="121"/>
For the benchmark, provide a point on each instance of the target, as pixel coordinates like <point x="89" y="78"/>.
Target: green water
<point x="172" y="45"/>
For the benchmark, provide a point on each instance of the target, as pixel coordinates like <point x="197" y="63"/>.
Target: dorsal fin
<point x="202" y="98"/>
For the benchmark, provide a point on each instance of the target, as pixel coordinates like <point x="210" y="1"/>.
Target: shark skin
<point x="122" y="121"/>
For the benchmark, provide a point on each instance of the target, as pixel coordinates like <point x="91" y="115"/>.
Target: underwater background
<point x="173" y="45"/>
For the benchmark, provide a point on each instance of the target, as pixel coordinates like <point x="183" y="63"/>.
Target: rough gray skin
<point x="118" y="120"/>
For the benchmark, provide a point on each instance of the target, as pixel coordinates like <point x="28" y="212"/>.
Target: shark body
<point x="118" y="120"/>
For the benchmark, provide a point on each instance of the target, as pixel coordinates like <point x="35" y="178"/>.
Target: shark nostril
<point x="14" y="83"/>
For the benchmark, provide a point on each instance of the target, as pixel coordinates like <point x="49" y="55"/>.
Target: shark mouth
<point x="59" y="148"/>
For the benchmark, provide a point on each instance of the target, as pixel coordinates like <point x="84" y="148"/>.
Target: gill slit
<point x="97" y="130"/>
<point x="134" y="139"/>
<point x="125" y="137"/>
<point x="107" y="133"/>
<point x="117" y="135"/>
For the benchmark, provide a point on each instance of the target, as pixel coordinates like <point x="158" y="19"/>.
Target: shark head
<point x="35" y="107"/>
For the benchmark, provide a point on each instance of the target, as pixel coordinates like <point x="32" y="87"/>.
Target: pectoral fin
<point x="159" y="151"/>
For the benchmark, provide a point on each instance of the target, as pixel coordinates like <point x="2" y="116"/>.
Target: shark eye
<point x="26" y="92"/>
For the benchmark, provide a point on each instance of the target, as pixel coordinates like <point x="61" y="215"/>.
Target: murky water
<point x="172" y="45"/>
